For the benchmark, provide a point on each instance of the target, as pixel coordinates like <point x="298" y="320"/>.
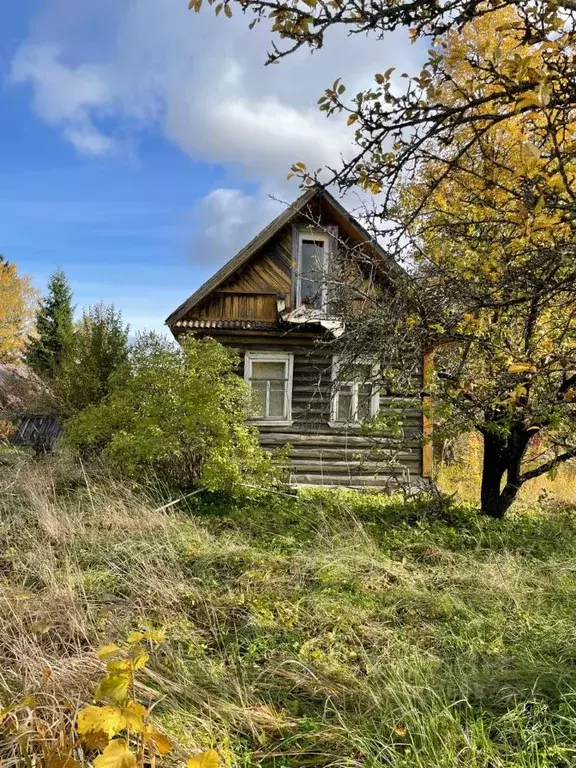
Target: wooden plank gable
<point x="265" y="266"/>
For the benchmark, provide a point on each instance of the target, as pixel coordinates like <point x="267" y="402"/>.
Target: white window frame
<point x="313" y="234"/>
<point x="337" y="364"/>
<point x="272" y="357"/>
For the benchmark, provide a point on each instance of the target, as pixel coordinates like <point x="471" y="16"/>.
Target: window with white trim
<point x="269" y="375"/>
<point x="311" y="268"/>
<point x="355" y="395"/>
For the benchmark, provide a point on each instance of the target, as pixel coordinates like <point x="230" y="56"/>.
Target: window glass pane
<point x="258" y="399"/>
<point x="268" y="370"/>
<point x="344" y="404"/>
<point x="277" y="400"/>
<point x="311" y="271"/>
<point x="364" y="397"/>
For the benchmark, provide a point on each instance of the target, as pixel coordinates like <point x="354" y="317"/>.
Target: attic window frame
<point x="307" y="233"/>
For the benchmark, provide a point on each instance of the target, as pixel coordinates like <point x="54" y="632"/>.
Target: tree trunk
<point x="493" y="468"/>
<point x="502" y="455"/>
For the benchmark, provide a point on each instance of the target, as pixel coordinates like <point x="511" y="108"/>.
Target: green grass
<point x="319" y="630"/>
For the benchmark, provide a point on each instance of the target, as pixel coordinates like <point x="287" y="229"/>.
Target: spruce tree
<point x="98" y="348"/>
<point x="54" y="327"/>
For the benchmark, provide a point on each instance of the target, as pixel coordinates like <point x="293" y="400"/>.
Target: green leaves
<point x="178" y="414"/>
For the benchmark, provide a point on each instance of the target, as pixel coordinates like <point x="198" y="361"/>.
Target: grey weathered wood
<point x="352" y="455"/>
<point x="246" y="287"/>
<point x="338" y="481"/>
<point x="325" y="439"/>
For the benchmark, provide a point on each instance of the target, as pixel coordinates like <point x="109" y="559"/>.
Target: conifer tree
<point x="54" y="327"/>
<point x="98" y="348"/>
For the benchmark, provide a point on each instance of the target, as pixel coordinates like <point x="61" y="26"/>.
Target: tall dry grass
<point x="329" y="630"/>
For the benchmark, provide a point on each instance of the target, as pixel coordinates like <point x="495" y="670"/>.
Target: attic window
<point x="311" y="269"/>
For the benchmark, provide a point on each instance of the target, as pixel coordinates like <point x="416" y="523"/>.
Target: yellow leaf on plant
<point x="158" y="636"/>
<point x="162" y="742"/>
<point x="116" y="755"/>
<point x="208" y="759"/>
<point x="135" y="637"/>
<point x="107" y="651"/>
<point x="521" y="368"/>
<point x="106" y="720"/>
<point x="139" y="658"/>
<point x="135" y="715"/>
<point x="114" y="686"/>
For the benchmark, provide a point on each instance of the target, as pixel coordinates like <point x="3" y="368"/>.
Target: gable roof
<point x="249" y="250"/>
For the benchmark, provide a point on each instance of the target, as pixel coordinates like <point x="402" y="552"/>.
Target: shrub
<point x="94" y="352"/>
<point x="177" y="414"/>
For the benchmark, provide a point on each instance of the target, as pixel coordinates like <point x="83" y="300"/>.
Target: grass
<point x="324" y="630"/>
<point x="462" y="479"/>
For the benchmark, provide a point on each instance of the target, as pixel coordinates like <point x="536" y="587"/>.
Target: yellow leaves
<point x="530" y="99"/>
<point x="208" y="759"/>
<point x="521" y="368"/>
<point x="101" y="720"/>
<point x="134" y="715"/>
<point x="17" y="301"/>
<point x="108" y="651"/>
<point x="121" y="663"/>
<point x="116" y="755"/>
<point x="114" y="685"/>
<point x="162" y="742"/>
<point x="118" y="729"/>
<point x="140" y="659"/>
<point x="158" y="636"/>
<point x="352" y="119"/>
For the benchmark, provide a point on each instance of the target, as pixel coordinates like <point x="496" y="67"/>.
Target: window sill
<point x="345" y="424"/>
<point x="269" y="423"/>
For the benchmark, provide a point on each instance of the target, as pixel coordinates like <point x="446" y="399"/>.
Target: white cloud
<point x="202" y="83"/>
<point x="229" y="219"/>
<point x="66" y="96"/>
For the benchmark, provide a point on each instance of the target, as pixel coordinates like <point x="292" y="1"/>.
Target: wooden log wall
<point x="325" y="455"/>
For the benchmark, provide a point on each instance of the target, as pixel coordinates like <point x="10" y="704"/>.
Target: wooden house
<point x="270" y="302"/>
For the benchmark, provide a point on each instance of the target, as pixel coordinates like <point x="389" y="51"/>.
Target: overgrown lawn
<point x="325" y="629"/>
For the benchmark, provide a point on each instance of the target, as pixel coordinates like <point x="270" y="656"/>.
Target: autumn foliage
<point x="114" y="732"/>
<point x="17" y="300"/>
<point x="469" y="171"/>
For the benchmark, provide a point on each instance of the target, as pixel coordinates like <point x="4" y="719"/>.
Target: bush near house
<point x="177" y="415"/>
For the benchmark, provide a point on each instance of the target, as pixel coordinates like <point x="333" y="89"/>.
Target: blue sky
<point x="141" y="144"/>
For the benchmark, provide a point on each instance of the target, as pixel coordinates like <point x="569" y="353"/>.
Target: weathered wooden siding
<point x="320" y="454"/>
<point x="324" y="455"/>
<point x="227" y="305"/>
<point x="267" y="276"/>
